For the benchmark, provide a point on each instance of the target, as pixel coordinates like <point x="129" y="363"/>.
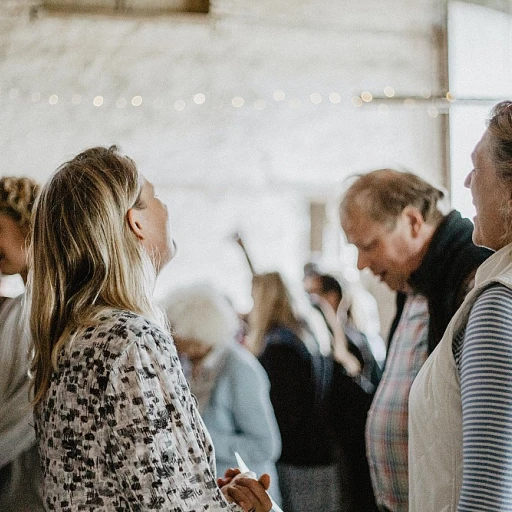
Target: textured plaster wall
<point x="220" y="167"/>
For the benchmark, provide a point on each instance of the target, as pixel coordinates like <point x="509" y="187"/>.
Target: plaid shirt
<point x="386" y="428"/>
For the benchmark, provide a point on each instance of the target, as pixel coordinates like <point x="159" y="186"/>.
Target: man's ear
<point x="135" y="221"/>
<point x="414" y="218"/>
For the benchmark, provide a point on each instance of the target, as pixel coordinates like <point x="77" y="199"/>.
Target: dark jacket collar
<point x="446" y="272"/>
<point x="452" y="234"/>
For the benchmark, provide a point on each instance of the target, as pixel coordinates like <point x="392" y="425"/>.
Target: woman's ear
<point x="135" y="221"/>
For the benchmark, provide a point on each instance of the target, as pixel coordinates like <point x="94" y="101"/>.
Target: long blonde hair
<point x="273" y="307"/>
<point x="84" y="258"/>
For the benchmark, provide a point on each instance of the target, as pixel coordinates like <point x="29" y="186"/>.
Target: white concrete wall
<point x="221" y="167"/>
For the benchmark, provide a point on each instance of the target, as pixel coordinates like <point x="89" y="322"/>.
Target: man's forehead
<point x="365" y="233"/>
<point x="357" y="222"/>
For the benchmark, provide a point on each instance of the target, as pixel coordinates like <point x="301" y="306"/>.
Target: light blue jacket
<point x="240" y="417"/>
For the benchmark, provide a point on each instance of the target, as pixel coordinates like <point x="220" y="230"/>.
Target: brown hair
<point x="273" y="307"/>
<point x="17" y="198"/>
<point x="383" y="194"/>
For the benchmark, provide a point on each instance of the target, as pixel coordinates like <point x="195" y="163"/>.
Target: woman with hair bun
<point x="118" y="429"/>
<point x="20" y="477"/>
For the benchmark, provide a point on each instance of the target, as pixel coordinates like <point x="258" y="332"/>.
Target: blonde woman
<point x="299" y="380"/>
<point x="20" y="478"/>
<point x="116" y="424"/>
<point x="231" y="387"/>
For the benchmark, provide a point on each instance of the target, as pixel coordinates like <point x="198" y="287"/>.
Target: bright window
<point x="480" y="70"/>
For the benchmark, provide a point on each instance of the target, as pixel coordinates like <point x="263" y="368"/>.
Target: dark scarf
<point x="446" y="272"/>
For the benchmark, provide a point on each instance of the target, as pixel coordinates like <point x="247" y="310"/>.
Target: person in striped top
<point x="460" y="405"/>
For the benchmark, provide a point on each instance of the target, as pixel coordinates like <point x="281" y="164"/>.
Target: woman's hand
<point x="247" y="492"/>
<point x="346" y="359"/>
<point x="228" y="476"/>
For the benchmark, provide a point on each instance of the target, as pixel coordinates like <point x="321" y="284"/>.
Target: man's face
<point x="313" y="287"/>
<point x="389" y="252"/>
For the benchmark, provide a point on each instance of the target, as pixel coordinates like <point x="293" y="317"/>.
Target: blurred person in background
<point x="349" y="407"/>
<point x="20" y="475"/>
<point x="301" y="381"/>
<point x="326" y="294"/>
<point x="230" y="385"/>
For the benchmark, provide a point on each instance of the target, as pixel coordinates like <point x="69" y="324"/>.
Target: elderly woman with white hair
<point x="230" y="385"/>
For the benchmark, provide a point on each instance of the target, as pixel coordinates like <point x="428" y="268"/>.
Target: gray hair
<point x="202" y="313"/>
<point x="383" y="194"/>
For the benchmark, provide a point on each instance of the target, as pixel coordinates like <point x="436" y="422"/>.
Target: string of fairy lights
<point x="433" y="105"/>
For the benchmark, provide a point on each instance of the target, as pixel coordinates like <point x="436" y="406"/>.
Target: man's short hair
<point x="330" y="284"/>
<point x="383" y="194"/>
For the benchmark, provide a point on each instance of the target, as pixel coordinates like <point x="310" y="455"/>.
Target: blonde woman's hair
<point x="84" y="257"/>
<point x="273" y="307"/>
<point x="17" y="198"/>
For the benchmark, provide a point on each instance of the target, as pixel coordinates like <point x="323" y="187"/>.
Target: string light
<point x="216" y="103"/>
<point x="316" y="98"/>
<point x="366" y="96"/>
<point x="357" y="101"/>
<point x="260" y="104"/>
<point x="432" y="111"/>
<point x="238" y="102"/>
<point x="199" y="99"/>
<point x="334" y="97"/>
<point x="389" y="91"/>
<point x="279" y="95"/>
<point x="179" y="105"/>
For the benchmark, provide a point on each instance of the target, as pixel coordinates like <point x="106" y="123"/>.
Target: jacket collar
<point x="451" y="234"/>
